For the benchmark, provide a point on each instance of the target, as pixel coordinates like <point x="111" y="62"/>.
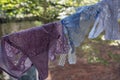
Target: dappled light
<point x="82" y="40"/>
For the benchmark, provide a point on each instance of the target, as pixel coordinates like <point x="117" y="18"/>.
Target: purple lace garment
<point x="32" y="46"/>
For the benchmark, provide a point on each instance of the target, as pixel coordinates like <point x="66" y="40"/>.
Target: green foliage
<point x="46" y="10"/>
<point x="115" y="57"/>
<point x="99" y="51"/>
<point x="2" y="77"/>
<point x="94" y="59"/>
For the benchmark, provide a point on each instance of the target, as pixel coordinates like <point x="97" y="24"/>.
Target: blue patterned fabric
<point x="78" y="24"/>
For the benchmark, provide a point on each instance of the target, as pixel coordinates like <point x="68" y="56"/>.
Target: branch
<point x="55" y="4"/>
<point x="32" y="18"/>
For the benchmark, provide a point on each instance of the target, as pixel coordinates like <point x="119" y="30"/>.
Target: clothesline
<point x="35" y="46"/>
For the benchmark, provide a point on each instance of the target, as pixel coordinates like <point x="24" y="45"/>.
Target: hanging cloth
<point x="76" y="27"/>
<point x="32" y="46"/>
<point x="78" y="24"/>
<point x="107" y="20"/>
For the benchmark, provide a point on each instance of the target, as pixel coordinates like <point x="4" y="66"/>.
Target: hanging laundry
<point x="32" y="46"/>
<point x="107" y="20"/>
<point x="77" y="23"/>
<point x="77" y="27"/>
<point x="62" y="59"/>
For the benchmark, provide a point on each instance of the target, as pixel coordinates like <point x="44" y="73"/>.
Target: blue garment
<point x="107" y="20"/>
<point x="78" y="24"/>
<point x="71" y="26"/>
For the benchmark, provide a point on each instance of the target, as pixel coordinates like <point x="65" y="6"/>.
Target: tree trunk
<point x="0" y="37"/>
<point x="0" y="30"/>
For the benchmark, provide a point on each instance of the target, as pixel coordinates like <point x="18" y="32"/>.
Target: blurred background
<point x="97" y="59"/>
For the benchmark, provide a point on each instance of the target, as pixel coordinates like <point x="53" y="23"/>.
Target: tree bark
<point x="32" y="18"/>
<point x="0" y="30"/>
<point x="0" y="37"/>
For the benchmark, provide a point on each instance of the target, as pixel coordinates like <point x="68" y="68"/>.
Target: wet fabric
<point x="32" y="46"/>
<point x="107" y="21"/>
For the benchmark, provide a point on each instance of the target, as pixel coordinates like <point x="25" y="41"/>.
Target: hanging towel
<point x="32" y="46"/>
